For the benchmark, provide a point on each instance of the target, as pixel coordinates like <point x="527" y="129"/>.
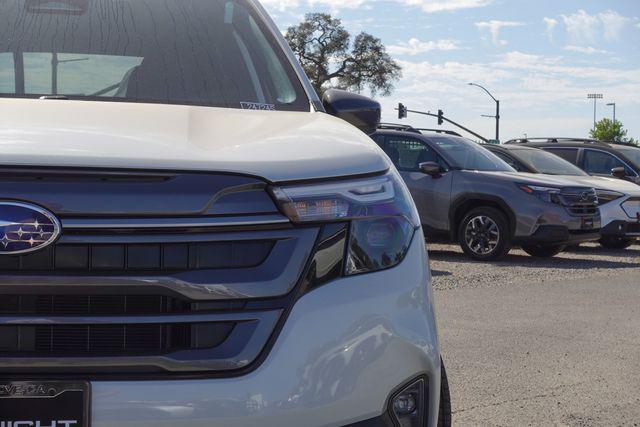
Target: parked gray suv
<point x="465" y="193"/>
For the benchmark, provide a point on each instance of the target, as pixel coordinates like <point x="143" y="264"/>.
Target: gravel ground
<point x="452" y="269"/>
<point x="537" y="342"/>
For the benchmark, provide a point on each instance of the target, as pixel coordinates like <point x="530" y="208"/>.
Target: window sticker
<point x="257" y="106"/>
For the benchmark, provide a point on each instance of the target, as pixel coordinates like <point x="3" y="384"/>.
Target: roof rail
<point x="445" y="131"/>
<point x="409" y="128"/>
<point x="396" y="126"/>
<point x="555" y="140"/>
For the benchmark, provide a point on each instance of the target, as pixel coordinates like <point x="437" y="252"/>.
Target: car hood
<point x="532" y="178"/>
<point x="277" y="146"/>
<point x="604" y="183"/>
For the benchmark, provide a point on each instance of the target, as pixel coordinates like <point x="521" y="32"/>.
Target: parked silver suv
<point x="467" y="194"/>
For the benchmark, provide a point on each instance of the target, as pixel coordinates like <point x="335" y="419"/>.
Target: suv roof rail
<point x="396" y="126"/>
<point x="445" y="131"/>
<point x="409" y="128"/>
<point x="555" y="140"/>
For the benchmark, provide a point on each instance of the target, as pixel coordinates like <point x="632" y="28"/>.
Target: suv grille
<point x="580" y="201"/>
<point x="139" y="285"/>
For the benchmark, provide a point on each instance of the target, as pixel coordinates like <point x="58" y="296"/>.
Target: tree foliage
<point x="330" y="58"/>
<point x="608" y="130"/>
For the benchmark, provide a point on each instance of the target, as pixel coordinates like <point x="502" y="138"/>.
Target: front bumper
<point x="551" y="224"/>
<point x="344" y="349"/>
<point x="617" y="223"/>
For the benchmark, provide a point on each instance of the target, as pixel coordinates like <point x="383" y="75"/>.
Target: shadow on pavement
<point x="558" y="262"/>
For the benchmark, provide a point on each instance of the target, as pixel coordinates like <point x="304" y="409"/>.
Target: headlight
<point x="382" y="216"/>
<point x="546" y="194"/>
<point x="606" y="196"/>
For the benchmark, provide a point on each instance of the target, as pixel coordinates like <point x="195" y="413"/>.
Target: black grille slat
<point x="140" y="258"/>
<point x="101" y="340"/>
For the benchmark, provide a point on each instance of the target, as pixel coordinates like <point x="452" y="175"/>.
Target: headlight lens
<point x="546" y="194"/>
<point x="606" y="196"/>
<point x="382" y="214"/>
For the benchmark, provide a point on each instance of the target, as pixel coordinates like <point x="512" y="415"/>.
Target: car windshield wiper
<point x="54" y="97"/>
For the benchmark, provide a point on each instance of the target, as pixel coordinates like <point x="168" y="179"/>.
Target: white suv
<point x="187" y="238"/>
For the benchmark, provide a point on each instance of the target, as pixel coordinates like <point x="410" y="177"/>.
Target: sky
<point x="540" y="58"/>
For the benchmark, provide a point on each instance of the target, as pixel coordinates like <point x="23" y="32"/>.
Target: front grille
<point x="109" y="340"/>
<point x="128" y="258"/>
<point x="579" y="201"/>
<point x="152" y="274"/>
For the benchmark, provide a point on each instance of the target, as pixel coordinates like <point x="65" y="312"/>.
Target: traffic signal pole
<point x="402" y="113"/>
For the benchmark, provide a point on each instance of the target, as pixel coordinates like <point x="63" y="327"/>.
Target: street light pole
<point x="497" y="116"/>
<point x="613" y="104"/>
<point x="595" y="97"/>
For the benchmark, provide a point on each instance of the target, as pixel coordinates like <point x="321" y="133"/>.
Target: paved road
<point x="554" y="352"/>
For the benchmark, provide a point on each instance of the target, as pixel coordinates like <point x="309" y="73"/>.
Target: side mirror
<point x="619" y="172"/>
<point x="362" y="112"/>
<point x="431" y="168"/>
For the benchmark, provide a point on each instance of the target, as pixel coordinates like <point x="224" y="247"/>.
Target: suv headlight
<point x="382" y="216"/>
<point x="606" y="196"/>
<point x="546" y="194"/>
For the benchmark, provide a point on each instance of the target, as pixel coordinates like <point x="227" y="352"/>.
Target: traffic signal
<point x="402" y="111"/>
<point x="440" y="117"/>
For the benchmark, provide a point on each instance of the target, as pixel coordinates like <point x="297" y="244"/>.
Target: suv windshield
<point x="631" y="153"/>
<point x="195" y="52"/>
<point x="465" y="154"/>
<point x="547" y="163"/>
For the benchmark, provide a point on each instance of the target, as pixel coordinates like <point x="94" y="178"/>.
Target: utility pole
<point x="497" y="116"/>
<point x="613" y="104"/>
<point x="595" y="97"/>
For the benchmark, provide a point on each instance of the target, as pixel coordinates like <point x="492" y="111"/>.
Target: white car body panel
<point x="277" y="146"/>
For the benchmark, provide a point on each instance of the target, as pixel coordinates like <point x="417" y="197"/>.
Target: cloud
<point x="415" y="47"/>
<point x="551" y="25"/>
<point x="432" y="6"/>
<point x="494" y="28"/>
<point x="280" y="5"/>
<point x="585" y="29"/>
<point x="582" y="49"/>
<point x="613" y="24"/>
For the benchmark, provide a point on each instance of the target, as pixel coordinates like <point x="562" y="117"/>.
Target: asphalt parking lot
<point x="541" y="342"/>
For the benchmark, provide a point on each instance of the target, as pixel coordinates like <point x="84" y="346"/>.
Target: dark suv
<point x="594" y="157"/>
<point x="465" y="193"/>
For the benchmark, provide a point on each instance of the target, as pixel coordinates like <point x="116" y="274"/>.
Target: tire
<point x="616" y="242"/>
<point x="444" y="414"/>
<point x="485" y="222"/>
<point x="543" y="251"/>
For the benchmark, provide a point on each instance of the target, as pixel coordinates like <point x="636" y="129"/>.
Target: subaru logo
<point x="26" y="228"/>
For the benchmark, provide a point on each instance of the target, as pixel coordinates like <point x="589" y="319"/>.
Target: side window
<point x="569" y="154"/>
<point x="379" y="139"/>
<point x="408" y="153"/>
<point x="601" y="163"/>
<point x="510" y="161"/>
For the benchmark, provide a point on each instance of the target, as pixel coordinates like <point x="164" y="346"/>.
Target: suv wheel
<point x="444" y="414"/>
<point x="543" y="251"/>
<point x="484" y="234"/>
<point x="616" y="242"/>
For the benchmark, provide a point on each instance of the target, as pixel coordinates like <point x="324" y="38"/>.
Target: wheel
<point x="616" y="242"/>
<point x="484" y="234"/>
<point x="444" y="414"/>
<point x="543" y="251"/>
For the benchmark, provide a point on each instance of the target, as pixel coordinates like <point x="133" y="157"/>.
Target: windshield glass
<point x="547" y="163"/>
<point x="632" y="154"/>
<point x="194" y="52"/>
<point x="465" y="154"/>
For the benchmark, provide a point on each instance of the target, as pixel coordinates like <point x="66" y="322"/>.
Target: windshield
<point x="632" y="154"/>
<point x="464" y="154"/>
<point x="547" y="163"/>
<point x="194" y="52"/>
